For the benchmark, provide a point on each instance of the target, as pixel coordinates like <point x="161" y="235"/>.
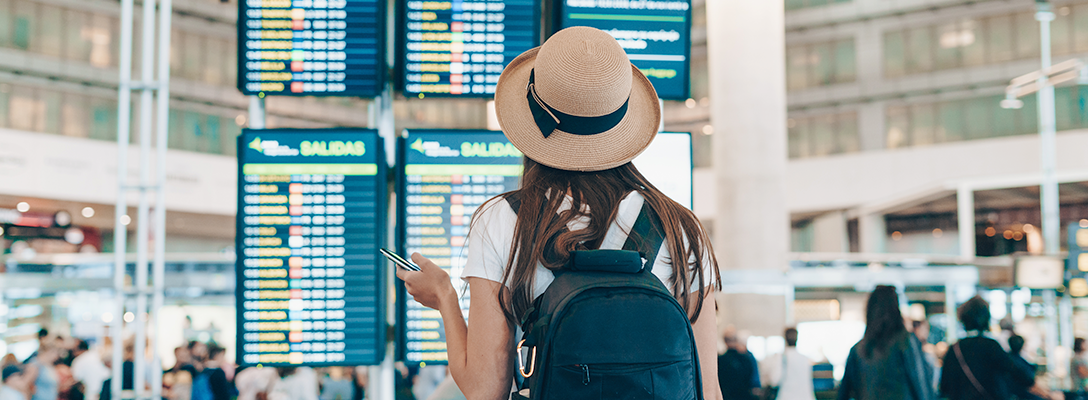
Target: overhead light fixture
<point x="1011" y="102"/>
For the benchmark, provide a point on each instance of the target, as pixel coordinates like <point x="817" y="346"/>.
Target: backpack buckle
<point x="521" y="361"/>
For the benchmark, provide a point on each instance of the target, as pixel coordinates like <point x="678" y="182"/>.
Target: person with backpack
<point x="611" y="281"/>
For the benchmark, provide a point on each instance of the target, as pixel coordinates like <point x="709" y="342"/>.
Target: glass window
<point x="177" y="137"/>
<point x="979" y="118"/>
<point x="213" y="70"/>
<point x="923" y="121"/>
<point x="6" y="23"/>
<point x="1080" y="27"/>
<point x="1081" y="105"/>
<point x="25" y="109"/>
<point x="5" y="103"/>
<point x="214" y="134"/>
<point x="950" y="126"/>
<point x="74" y="116"/>
<point x="919" y="50"/>
<point x="949" y="41"/>
<point x="177" y="52"/>
<point x="24" y="21"/>
<point x="898" y="126"/>
<point x="51" y="103"/>
<point x="1004" y="120"/>
<point x="1063" y="108"/>
<point x="822" y="133"/>
<point x="101" y="34"/>
<point x="1027" y="117"/>
<point x="193" y="63"/>
<point x="999" y="39"/>
<point x="230" y="68"/>
<point x="795" y="4"/>
<point x="796" y="138"/>
<point x="77" y="44"/>
<point x="824" y="64"/>
<point x="972" y="42"/>
<point x="849" y="139"/>
<point x="894" y="54"/>
<point x="797" y="64"/>
<point x="50" y="31"/>
<point x="231" y="131"/>
<point x="1061" y="33"/>
<point x="845" y="61"/>
<point x="1027" y="35"/>
<point x="103" y="113"/>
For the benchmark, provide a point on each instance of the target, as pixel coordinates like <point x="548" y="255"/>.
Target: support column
<point x="872" y="233"/>
<point x="830" y="234"/>
<point x="965" y="215"/>
<point x="746" y="55"/>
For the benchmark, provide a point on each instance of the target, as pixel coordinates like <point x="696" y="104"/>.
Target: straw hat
<point x="577" y="103"/>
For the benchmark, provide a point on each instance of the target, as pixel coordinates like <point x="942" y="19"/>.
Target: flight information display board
<point x="311" y="47"/>
<point x="446" y="176"/>
<point x="655" y="34"/>
<point x="458" y="48"/>
<point x="311" y="206"/>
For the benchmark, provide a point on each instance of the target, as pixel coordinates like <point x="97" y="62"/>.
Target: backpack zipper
<point x="585" y="377"/>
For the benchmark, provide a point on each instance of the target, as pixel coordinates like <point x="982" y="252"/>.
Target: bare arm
<point x="706" y="341"/>
<point x="481" y="352"/>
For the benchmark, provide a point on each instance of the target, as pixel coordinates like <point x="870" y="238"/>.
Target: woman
<point x="578" y="191"/>
<point x="887" y="362"/>
<point x="1078" y="367"/>
<point x="977" y="367"/>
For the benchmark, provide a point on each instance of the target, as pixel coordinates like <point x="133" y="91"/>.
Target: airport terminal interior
<point x="208" y="182"/>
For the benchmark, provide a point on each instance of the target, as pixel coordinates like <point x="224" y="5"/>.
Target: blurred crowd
<point x="71" y="369"/>
<point x="896" y="360"/>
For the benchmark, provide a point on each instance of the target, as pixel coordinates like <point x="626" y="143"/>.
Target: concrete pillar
<point x="872" y="233"/>
<point x="829" y="233"/>
<point x="746" y="61"/>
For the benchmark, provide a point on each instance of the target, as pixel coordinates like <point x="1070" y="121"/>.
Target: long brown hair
<point x="540" y="235"/>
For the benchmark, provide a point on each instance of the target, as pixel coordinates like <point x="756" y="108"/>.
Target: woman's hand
<point x="430" y="286"/>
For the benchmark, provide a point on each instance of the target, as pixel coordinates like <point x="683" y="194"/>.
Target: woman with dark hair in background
<point x="1078" y="367"/>
<point x="887" y="363"/>
<point x="977" y="367"/>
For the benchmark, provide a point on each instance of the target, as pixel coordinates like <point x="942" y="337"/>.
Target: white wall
<point x="848" y="181"/>
<point x="85" y="170"/>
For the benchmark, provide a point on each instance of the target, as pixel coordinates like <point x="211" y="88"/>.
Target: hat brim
<point x="566" y="151"/>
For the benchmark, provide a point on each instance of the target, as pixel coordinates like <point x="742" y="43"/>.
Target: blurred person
<point x="428" y="378"/>
<point x="17" y="383"/>
<point x="218" y="383"/>
<point x="338" y="384"/>
<point x="295" y="383"/>
<point x="255" y="383"/>
<point x="43" y="337"/>
<point x="88" y="369"/>
<point x="887" y="363"/>
<point x="362" y="379"/>
<point x="977" y="367"/>
<point x="1016" y="346"/>
<point x="1078" y="368"/>
<point x="198" y="354"/>
<point x="921" y="332"/>
<point x="47" y="385"/>
<point x="128" y="355"/>
<point x="735" y="370"/>
<point x="8" y="359"/>
<point x="790" y="372"/>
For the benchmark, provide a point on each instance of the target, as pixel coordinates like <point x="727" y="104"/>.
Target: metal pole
<point x="256" y="112"/>
<point x="1047" y="132"/>
<point x="162" y="119"/>
<point x="952" y="334"/>
<point x="965" y="216"/>
<point x="143" y="219"/>
<point x="124" y="94"/>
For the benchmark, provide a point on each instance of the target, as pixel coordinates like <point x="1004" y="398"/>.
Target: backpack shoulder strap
<point x="646" y="235"/>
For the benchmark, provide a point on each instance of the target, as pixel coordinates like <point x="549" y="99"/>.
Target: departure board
<point x="311" y="47"/>
<point x="446" y="176"/>
<point x="458" y="48"/>
<point x="310" y="222"/>
<point x="655" y="34"/>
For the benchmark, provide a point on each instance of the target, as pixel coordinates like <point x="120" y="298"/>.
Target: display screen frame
<point x="558" y="10"/>
<point x="401" y="53"/>
<point x="381" y="74"/>
<point x="381" y="225"/>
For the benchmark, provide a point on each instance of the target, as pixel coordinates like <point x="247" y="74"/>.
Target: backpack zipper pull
<point x="585" y="378"/>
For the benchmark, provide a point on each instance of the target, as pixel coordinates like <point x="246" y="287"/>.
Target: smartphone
<point x="400" y="261"/>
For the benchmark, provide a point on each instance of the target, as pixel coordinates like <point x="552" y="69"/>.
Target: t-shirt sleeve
<point x="489" y="240"/>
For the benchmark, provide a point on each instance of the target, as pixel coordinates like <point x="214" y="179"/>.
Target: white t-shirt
<point x="492" y="236"/>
